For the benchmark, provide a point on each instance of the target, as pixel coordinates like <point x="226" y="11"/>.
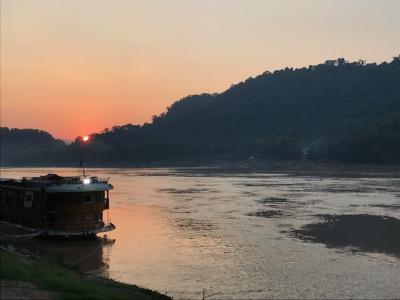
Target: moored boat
<point x="54" y="205"/>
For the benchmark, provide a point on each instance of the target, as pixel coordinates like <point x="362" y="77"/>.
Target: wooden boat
<point x="53" y="205"/>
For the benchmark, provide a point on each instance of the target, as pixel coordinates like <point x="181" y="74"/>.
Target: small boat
<point x="54" y="205"/>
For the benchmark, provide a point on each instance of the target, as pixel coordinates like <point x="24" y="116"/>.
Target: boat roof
<point x="53" y="180"/>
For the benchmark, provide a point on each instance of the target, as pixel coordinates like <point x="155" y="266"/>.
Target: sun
<point x="85" y="138"/>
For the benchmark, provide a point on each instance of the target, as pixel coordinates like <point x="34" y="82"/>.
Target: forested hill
<point x="335" y="111"/>
<point x="29" y="147"/>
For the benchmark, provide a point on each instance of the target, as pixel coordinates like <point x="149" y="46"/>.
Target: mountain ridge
<point x="334" y="111"/>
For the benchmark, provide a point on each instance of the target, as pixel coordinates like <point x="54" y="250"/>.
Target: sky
<point x="74" y="67"/>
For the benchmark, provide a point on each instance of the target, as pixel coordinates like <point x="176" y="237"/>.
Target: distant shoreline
<point x="238" y="166"/>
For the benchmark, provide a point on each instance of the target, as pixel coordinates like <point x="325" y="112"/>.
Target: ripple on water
<point x="266" y="213"/>
<point x="185" y="191"/>
<point x="269" y="200"/>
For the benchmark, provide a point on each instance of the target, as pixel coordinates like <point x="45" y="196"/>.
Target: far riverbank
<point x="244" y="166"/>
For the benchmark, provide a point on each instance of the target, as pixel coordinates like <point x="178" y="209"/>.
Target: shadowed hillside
<point x="335" y="111"/>
<point x="28" y="147"/>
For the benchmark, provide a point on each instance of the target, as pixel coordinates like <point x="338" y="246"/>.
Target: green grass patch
<point x="67" y="283"/>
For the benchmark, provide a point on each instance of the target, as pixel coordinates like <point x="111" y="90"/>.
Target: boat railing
<point x="72" y="180"/>
<point x="100" y="179"/>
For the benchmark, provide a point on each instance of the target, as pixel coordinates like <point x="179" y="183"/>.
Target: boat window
<point x="88" y="199"/>
<point x="28" y="200"/>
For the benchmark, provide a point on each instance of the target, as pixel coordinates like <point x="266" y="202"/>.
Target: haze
<point x="76" y="67"/>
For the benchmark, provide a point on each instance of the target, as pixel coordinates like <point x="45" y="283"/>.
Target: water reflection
<point x="87" y="255"/>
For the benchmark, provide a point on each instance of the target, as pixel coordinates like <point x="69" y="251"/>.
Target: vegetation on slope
<point x="335" y="111"/>
<point x="22" y="146"/>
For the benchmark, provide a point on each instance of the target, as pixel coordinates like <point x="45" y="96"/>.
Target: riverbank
<point x="24" y="275"/>
<point x="251" y="165"/>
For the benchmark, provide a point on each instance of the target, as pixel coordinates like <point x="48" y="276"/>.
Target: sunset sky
<point x="72" y="67"/>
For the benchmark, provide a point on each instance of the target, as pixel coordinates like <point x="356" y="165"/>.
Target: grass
<point x="67" y="283"/>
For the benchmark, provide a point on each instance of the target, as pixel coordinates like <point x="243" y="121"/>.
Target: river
<point x="242" y="234"/>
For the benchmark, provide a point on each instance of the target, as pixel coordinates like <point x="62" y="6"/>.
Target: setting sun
<point x="85" y="138"/>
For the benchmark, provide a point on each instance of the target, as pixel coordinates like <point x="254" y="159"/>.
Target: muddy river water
<point x="235" y="234"/>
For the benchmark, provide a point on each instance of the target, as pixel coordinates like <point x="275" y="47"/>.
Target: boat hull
<point x="11" y="230"/>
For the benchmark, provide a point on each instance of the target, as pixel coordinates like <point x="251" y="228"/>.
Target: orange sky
<point x="73" y="67"/>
